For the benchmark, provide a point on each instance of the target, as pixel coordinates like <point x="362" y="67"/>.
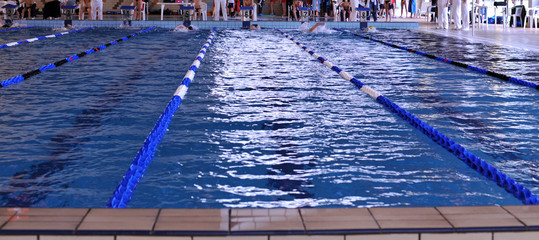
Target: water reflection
<point x="292" y="163"/>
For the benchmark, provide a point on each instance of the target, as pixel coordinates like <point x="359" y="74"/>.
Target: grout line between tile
<point x="229" y="221"/>
<point x="376" y="221"/>
<point x="82" y="220"/>
<point x="8" y="220"/>
<point x="155" y="221"/>
<point x="522" y="222"/>
<point x="302" y="221"/>
<point x="447" y="220"/>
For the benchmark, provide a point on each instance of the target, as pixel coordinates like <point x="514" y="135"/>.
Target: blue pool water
<point x="263" y="124"/>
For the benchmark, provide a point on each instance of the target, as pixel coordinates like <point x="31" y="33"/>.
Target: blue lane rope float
<point x="43" y="37"/>
<point x="20" y="78"/>
<point x="476" y="163"/>
<point x="454" y="63"/>
<point x="124" y="191"/>
<point x="11" y="29"/>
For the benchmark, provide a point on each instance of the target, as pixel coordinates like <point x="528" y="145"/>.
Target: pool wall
<point x="220" y="24"/>
<point x="422" y="223"/>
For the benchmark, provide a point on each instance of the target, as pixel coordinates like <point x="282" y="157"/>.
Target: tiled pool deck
<point x="425" y="223"/>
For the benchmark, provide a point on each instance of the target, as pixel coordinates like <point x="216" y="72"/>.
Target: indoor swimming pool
<point x="264" y="124"/>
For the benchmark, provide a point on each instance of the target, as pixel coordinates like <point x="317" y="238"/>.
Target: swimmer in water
<point x="181" y="27"/>
<point x="316" y="26"/>
<point x="254" y="27"/>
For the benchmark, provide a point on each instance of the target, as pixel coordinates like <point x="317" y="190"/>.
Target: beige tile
<point x="194" y="212"/>
<point x="21" y="237"/>
<point x="408" y="218"/>
<point x="192" y="226"/>
<point x="523" y="209"/>
<point x="473" y="217"/>
<point x="473" y="210"/>
<point x="393" y="213"/>
<point x="330" y="214"/>
<point x="119" y="219"/>
<point x="527" y="214"/>
<point x="265" y="212"/>
<point x="232" y="238"/>
<point x="338" y="218"/>
<point x="133" y="224"/>
<point x="516" y="235"/>
<point x="413" y="224"/>
<point x="265" y="219"/>
<point x="340" y="225"/>
<point x="406" y="236"/>
<point x="8" y="211"/>
<point x="45" y="225"/>
<point x="59" y="237"/>
<point x="310" y="237"/>
<point x="151" y="238"/>
<point x="457" y="236"/>
<point x="192" y="219"/>
<point x="267" y="226"/>
<point x="123" y="212"/>
<point x="44" y="211"/>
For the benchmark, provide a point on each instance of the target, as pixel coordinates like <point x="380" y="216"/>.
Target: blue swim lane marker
<point x="124" y="191"/>
<point x="39" y="38"/>
<point x="454" y="63"/>
<point x="20" y="78"/>
<point x="474" y="162"/>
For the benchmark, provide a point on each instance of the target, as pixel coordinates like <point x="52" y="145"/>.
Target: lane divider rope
<point x="11" y="29"/>
<point x="20" y="78"/>
<point x="39" y="38"/>
<point x="476" y="163"/>
<point x="454" y="63"/>
<point x="124" y="191"/>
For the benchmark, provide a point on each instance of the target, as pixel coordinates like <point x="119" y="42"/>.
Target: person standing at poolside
<point x="138" y="9"/>
<point x="441" y="8"/>
<point x="345" y="13"/>
<point x="373" y="5"/>
<point x="455" y="12"/>
<point x="387" y="6"/>
<point x="220" y="4"/>
<point x="412" y="8"/>
<point x="97" y="10"/>
<point x="465" y="15"/>
<point x="403" y="7"/>
<point x="85" y="6"/>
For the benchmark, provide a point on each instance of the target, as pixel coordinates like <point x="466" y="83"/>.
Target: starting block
<point x="248" y="13"/>
<point x="305" y="13"/>
<point x="186" y="12"/>
<point x="68" y="11"/>
<point x="126" y="11"/>
<point x="9" y="11"/>
<point x="362" y="13"/>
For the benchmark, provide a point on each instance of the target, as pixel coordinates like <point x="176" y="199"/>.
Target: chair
<point x="501" y="5"/>
<point x="203" y="12"/>
<point x="431" y="12"/>
<point x="517" y="14"/>
<point x="145" y="11"/>
<point x="533" y="16"/>
<point x="480" y="14"/>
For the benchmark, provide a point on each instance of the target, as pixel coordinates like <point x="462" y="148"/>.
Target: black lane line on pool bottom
<point x="459" y="64"/>
<point x="20" y="78"/>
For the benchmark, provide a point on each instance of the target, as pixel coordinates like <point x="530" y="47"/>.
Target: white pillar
<point x="354" y="4"/>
